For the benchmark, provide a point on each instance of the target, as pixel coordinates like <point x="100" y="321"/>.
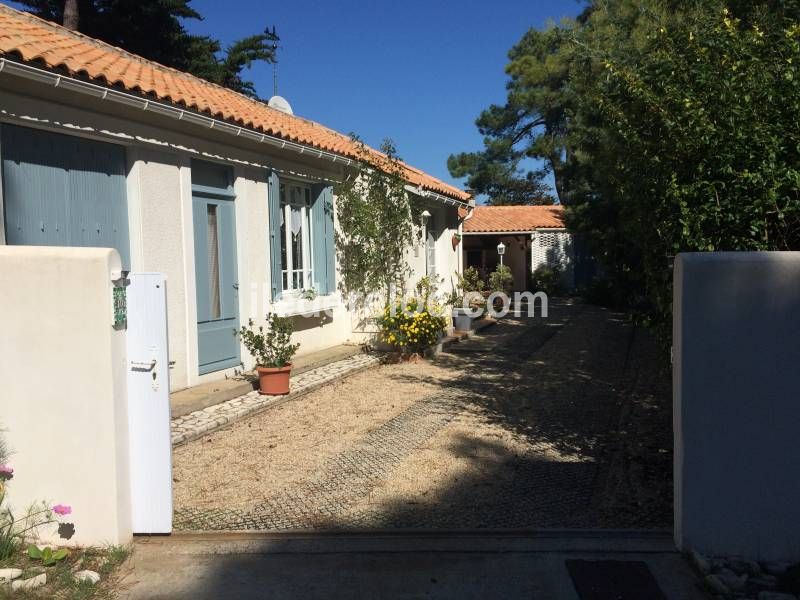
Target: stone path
<point x="195" y="424"/>
<point x="348" y="477"/>
<point x="579" y="395"/>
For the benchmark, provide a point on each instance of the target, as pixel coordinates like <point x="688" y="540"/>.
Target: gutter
<point x="528" y="232"/>
<point x="419" y="191"/>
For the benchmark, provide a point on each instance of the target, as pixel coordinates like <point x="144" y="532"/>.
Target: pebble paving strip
<point x="345" y="479"/>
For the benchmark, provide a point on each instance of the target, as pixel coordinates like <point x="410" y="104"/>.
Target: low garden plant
<point x="15" y="530"/>
<point x="56" y="571"/>
<point x="410" y="326"/>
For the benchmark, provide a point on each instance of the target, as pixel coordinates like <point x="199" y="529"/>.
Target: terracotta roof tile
<point x="501" y="219"/>
<point x="31" y="38"/>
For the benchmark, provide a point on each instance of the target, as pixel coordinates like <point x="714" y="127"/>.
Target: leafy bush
<point x="546" y="279"/>
<point x="467" y="292"/>
<point x="410" y="326"/>
<point x="501" y="279"/>
<point x="274" y="347"/>
<point x="471" y="280"/>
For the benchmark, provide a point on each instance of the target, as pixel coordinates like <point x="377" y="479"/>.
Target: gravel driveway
<point x="557" y="422"/>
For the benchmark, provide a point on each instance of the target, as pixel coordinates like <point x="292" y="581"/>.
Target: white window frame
<point x="306" y="274"/>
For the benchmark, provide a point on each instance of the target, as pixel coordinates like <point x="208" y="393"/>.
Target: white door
<point x="148" y="404"/>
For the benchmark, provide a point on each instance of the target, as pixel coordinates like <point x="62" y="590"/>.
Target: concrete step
<point x="479" y="540"/>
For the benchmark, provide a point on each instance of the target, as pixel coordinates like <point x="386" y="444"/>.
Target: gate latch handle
<point x="139" y="365"/>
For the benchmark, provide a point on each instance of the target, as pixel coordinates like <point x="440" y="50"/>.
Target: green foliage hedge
<point x="670" y="126"/>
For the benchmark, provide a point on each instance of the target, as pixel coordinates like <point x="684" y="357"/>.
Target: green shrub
<point x="410" y="326"/>
<point x="546" y="279"/>
<point x="501" y="280"/>
<point x="467" y="291"/>
<point x="471" y="281"/>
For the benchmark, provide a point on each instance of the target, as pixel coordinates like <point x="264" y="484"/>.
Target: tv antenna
<point x="275" y="39"/>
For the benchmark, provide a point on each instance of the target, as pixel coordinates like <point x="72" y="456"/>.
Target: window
<point x="296" y="235"/>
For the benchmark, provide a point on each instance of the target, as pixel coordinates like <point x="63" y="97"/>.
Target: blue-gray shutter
<point x="200" y="220"/>
<point x="323" y="240"/>
<point x="320" y="262"/>
<point x="330" y="241"/>
<point x="226" y="239"/>
<point x="274" y="204"/>
<point x="64" y="190"/>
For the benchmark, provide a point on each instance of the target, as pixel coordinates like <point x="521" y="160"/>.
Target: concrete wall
<point x="63" y="398"/>
<point x="736" y="387"/>
<point x="159" y="153"/>
<point x="554" y="248"/>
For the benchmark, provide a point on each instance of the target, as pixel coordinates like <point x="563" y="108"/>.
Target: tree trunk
<point x="71" y="14"/>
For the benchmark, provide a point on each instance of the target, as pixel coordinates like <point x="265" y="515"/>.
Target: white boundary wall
<point x="736" y="386"/>
<point x="63" y="395"/>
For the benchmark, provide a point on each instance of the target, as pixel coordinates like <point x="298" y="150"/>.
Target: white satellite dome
<point x="280" y="103"/>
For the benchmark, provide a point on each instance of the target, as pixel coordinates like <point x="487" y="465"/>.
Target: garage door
<point x="61" y="190"/>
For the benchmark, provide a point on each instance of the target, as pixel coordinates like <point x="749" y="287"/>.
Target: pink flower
<point x="6" y="472"/>
<point x="62" y="509"/>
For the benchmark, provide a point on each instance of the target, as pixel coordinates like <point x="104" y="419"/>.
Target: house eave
<point x="520" y="232"/>
<point x="57" y="80"/>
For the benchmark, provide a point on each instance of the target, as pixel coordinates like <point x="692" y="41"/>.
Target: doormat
<point x="613" y="580"/>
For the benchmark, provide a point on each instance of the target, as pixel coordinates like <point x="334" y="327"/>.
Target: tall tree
<point x="71" y="14"/>
<point x="671" y="126"/>
<point x="153" y="29"/>
<point x="530" y="125"/>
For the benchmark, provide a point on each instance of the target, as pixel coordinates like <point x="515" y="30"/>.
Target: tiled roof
<point x="503" y="219"/>
<point x="33" y="39"/>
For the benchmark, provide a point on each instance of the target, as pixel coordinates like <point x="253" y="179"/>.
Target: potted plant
<point x="467" y="300"/>
<point x="273" y="352"/>
<point x="456" y="240"/>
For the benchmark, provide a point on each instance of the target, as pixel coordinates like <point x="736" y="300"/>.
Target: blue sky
<point x="417" y="71"/>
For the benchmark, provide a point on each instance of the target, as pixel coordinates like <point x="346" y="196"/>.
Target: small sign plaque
<point x="120" y="308"/>
<point x="119" y="299"/>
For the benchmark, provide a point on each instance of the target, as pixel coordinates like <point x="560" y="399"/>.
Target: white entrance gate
<point x="148" y="404"/>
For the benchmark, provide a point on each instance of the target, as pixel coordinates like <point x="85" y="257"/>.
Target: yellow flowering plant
<point x="410" y="326"/>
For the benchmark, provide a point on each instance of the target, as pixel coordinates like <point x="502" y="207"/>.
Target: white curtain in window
<point x="213" y="263"/>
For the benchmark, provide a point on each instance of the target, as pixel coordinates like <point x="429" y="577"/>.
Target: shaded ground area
<point x="446" y="566"/>
<point x="557" y="422"/>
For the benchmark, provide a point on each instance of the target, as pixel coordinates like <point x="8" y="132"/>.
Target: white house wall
<point x="159" y="153"/>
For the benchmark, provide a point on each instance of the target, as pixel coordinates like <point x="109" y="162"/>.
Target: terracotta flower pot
<point x="455" y="241"/>
<point x="274" y="381"/>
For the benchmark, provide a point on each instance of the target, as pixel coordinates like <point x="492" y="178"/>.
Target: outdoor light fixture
<point x="501" y="249"/>
<point x="425" y="216"/>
